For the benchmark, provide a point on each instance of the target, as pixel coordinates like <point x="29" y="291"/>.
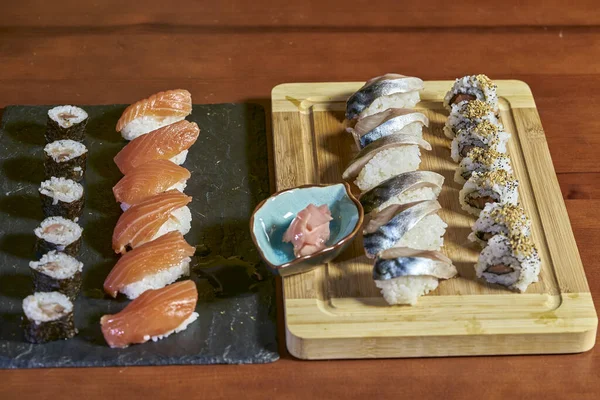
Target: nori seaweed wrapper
<point x="70" y="287"/>
<point x="42" y="247"/>
<point x="62" y="328"/>
<point x="65" y="169"/>
<point x="55" y="132"/>
<point x="70" y="210"/>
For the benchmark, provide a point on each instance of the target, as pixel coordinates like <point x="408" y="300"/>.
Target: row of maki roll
<point x="403" y="232"/>
<point x="490" y="189"/>
<point x="57" y="274"/>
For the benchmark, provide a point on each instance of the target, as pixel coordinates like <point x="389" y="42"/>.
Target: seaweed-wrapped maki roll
<point x="57" y="272"/>
<point x="61" y="197"/>
<point x="48" y="317"/>
<point x="65" y="159"/>
<point x="472" y="87"/>
<point x="484" y="135"/>
<point x="511" y="261"/>
<point x="60" y="234"/>
<point x="497" y="218"/>
<point x="489" y="187"/>
<point x="405" y="274"/>
<point x="467" y="114"/>
<point x="66" y="122"/>
<point x="481" y="160"/>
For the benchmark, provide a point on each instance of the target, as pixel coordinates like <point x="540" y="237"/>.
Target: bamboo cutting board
<point x="335" y="311"/>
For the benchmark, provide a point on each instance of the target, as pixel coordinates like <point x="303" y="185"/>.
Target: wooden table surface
<point x="116" y="51"/>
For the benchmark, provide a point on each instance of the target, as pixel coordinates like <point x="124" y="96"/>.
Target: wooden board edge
<point x="439" y="346"/>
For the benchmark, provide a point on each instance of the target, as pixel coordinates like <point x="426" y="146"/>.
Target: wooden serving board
<point x="336" y="311"/>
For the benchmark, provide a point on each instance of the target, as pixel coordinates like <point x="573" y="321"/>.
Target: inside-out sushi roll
<point x="48" y="317"/>
<point x="66" y="122"/>
<point x="466" y="114"/>
<point x="498" y="186"/>
<point x="484" y="135"/>
<point x="152" y="218"/>
<point x="152" y="265"/>
<point x="170" y="142"/>
<point x="472" y="87"/>
<point x="414" y="225"/>
<point x="61" y="197"/>
<point x="481" y="160"/>
<point x="60" y="234"/>
<point x="511" y="261"/>
<point x="65" y="159"/>
<point x="383" y="92"/>
<point x="388" y="122"/>
<point x="57" y="272"/>
<point x="160" y="109"/>
<point x="384" y="158"/>
<point x="405" y="274"/>
<point x="497" y="218"/>
<point x="154" y="315"/>
<point x="407" y="187"/>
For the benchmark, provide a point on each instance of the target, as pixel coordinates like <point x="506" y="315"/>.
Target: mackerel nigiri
<point x="154" y="315"/>
<point x="148" y="179"/>
<point x="152" y="218"/>
<point x="170" y="142"/>
<point x="156" y="111"/>
<point x="153" y="265"/>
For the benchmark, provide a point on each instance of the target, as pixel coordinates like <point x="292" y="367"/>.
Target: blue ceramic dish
<point x="272" y="217"/>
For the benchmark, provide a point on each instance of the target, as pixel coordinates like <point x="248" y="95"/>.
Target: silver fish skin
<point x="387" y="142"/>
<point x="384" y="85"/>
<point x="397" y="262"/>
<point x="397" y="185"/>
<point x="383" y="230"/>
<point x="390" y="121"/>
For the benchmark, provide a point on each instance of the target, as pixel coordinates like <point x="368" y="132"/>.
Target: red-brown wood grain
<point x="93" y="52"/>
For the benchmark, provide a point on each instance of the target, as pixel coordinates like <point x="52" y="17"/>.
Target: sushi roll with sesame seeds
<point x="484" y="135"/>
<point x="497" y="218"/>
<point x="511" y="261"/>
<point x="481" y="160"/>
<point x="48" y="317"/>
<point x="488" y="187"/>
<point x="65" y="159"/>
<point x="472" y="87"/>
<point x="466" y="114"/>
<point x="61" y="197"/>
<point x="66" y="122"/>
<point x="57" y="272"/>
<point x="60" y="234"/>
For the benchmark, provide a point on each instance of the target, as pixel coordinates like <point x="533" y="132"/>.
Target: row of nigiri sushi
<point x="149" y="233"/>
<point x="402" y="230"/>
<point x="57" y="275"/>
<point x="490" y="191"/>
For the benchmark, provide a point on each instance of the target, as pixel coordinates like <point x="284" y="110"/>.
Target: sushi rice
<point x="146" y="124"/>
<point x="179" y="158"/>
<point x="158" y="280"/>
<point x="498" y="186"/>
<point x="406" y="289"/>
<point x="428" y="234"/>
<point x="388" y="163"/>
<point x="180" y="220"/>
<point x="396" y="100"/>
<point x="58" y="233"/>
<point x="194" y="316"/>
<point x="411" y="196"/>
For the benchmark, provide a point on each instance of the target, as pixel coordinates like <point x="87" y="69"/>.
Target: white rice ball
<point x="406" y="289"/>
<point x="387" y="164"/>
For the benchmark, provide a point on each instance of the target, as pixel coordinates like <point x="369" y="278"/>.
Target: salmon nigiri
<point x="152" y="218"/>
<point x="154" y="315"/>
<point x="148" y="179"/>
<point x="156" y="111"/>
<point x="169" y="142"/>
<point x="153" y="265"/>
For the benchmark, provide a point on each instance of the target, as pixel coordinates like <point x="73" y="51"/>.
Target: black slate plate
<point x="229" y="177"/>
